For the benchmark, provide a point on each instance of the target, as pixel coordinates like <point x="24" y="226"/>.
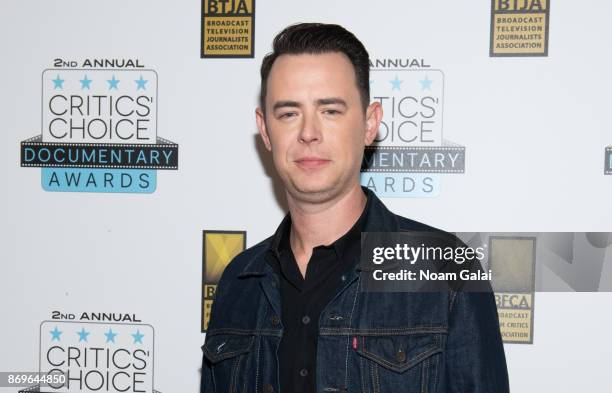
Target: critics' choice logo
<point x="96" y="356"/>
<point x="99" y="132"/>
<point x="519" y="27"/>
<point x="219" y="248"/>
<point x="409" y="153"/>
<point x="608" y="161"/>
<point x="228" y="28"/>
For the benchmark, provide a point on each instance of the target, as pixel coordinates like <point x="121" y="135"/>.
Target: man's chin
<point x="312" y="191"/>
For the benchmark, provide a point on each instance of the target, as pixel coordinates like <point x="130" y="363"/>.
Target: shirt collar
<point x="379" y="219"/>
<point x="352" y="238"/>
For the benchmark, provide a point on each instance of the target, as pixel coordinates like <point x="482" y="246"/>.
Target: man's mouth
<point x="311" y="162"/>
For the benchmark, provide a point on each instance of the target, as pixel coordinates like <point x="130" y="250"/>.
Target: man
<point x="289" y="314"/>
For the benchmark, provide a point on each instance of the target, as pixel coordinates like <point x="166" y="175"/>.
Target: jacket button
<point x="268" y="388"/>
<point x="400" y="356"/>
<point x="275" y="320"/>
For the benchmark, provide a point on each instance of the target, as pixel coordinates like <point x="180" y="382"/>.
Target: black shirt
<point x="303" y="299"/>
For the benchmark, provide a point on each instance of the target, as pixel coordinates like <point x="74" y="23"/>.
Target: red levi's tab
<point x="354" y="342"/>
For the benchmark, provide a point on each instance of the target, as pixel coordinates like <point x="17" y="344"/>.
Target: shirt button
<point x="268" y="388"/>
<point x="275" y="320"/>
<point x="303" y="372"/>
<point x="305" y="319"/>
<point x="343" y="278"/>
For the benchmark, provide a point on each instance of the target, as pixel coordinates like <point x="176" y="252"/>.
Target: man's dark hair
<point x="315" y="38"/>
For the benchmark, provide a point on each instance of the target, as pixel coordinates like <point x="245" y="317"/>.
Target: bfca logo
<point x="96" y="356"/>
<point x="409" y="154"/>
<point x="99" y="129"/>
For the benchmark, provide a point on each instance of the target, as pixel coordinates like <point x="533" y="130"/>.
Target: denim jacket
<point x="371" y="342"/>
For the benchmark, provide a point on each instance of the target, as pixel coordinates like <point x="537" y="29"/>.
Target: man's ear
<point x="261" y="126"/>
<point x="374" y="114"/>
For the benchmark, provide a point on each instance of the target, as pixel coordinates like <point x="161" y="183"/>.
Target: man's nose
<point x="311" y="129"/>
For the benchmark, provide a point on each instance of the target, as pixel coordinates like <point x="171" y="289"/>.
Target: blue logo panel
<point x="99" y="180"/>
<point x="402" y="185"/>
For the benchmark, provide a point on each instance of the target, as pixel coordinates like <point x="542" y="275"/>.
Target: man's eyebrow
<point x="331" y="101"/>
<point x="319" y="102"/>
<point x="285" y="104"/>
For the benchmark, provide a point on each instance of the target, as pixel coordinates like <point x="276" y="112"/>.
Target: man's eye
<point x="287" y="115"/>
<point x="331" y="112"/>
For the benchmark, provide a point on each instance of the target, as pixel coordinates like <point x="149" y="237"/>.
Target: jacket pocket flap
<point x="399" y="352"/>
<point x="225" y="346"/>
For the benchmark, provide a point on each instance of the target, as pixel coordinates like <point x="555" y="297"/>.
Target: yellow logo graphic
<point x="219" y="248"/>
<point x="519" y="27"/>
<point x="228" y="28"/>
<point x="512" y="261"/>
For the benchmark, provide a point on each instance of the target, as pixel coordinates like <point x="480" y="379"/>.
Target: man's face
<point x="314" y="124"/>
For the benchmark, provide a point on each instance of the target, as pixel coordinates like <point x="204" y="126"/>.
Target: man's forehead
<point x="326" y="72"/>
<point x="311" y="61"/>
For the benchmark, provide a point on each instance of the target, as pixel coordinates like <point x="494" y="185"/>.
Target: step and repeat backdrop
<point x="133" y="173"/>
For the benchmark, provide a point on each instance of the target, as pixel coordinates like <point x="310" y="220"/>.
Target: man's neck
<point x="322" y="223"/>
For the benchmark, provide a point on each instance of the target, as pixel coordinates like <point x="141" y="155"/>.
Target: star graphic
<point x="395" y="83"/>
<point x="58" y="82"/>
<point x="83" y="335"/>
<point x="110" y="336"/>
<point x="55" y="334"/>
<point x="138" y="337"/>
<point x="112" y="83"/>
<point x="426" y="83"/>
<point x="141" y="83"/>
<point x="85" y="83"/>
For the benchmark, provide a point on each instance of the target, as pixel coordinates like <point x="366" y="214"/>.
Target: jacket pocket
<point x="406" y="363"/>
<point x="228" y="357"/>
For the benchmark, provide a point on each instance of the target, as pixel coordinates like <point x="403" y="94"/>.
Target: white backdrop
<point x="534" y="130"/>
